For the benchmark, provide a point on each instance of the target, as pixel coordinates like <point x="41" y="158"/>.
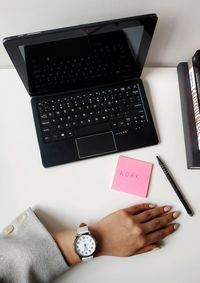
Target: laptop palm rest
<point x="97" y="144"/>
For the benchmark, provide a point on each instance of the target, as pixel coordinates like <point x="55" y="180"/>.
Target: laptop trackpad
<point x="96" y="144"/>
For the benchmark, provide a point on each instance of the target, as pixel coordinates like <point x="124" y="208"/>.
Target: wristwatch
<point x="84" y="243"/>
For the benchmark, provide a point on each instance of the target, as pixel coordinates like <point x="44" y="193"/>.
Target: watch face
<point x="85" y="245"/>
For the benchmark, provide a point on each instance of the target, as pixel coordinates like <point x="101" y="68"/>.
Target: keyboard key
<point x="105" y="118"/>
<point x="55" y="137"/>
<point x="49" y="129"/>
<point x="70" y="134"/>
<point x="46" y="123"/>
<point x="129" y="124"/>
<point x="114" y="125"/>
<point x="119" y="115"/>
<point x="43" y="117"/>
<point x="60" y="127"/>
<point x="62" y="135"/>
<point x="121" y="124"/>
<point x="47" y="139"/>
<point x="67" y="125"/>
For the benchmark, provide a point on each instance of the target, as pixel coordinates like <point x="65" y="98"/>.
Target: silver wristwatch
<point x="84" y="243"/>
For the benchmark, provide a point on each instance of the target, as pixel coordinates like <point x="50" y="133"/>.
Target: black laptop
<point x="86" y="93"/>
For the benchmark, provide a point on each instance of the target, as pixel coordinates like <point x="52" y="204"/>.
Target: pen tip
<point x="158" y="158"/>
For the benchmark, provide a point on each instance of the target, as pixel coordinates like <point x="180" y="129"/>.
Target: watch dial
<point x="85" y="245"/>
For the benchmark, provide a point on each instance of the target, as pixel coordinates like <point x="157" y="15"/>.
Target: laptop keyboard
<point x="92" y="112"/>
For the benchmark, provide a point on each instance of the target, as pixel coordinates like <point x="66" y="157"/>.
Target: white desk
<point x="66" y="195"/>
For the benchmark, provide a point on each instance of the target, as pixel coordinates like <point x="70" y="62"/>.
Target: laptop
<point x="84" y="82"/>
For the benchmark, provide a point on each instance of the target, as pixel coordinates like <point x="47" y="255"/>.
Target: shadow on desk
<point x="50" y="221"/>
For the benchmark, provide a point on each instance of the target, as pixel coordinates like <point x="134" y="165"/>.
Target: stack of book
<point x="189" y="85"/>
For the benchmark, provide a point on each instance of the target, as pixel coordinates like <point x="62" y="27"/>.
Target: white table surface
<point x="66" y="195"/>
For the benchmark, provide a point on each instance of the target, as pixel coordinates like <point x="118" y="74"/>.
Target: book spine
<point x="195" y="99"/>
<point x="197" y="80"/>
<point x="196" y="67"/>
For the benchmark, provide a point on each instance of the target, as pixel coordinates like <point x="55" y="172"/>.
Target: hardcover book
<point x="189" y="124"/>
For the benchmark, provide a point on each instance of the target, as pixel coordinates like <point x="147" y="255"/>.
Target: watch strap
<point x="83" y="230"/>
<point x="87" y="258"/>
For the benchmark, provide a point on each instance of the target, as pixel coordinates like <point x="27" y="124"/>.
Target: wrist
<point x="65" y="242"/>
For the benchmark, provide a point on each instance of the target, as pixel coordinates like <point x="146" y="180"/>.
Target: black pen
<point x="175" y="187"/>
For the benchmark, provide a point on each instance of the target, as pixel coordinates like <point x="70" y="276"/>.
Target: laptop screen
<point x="84" y="56"/>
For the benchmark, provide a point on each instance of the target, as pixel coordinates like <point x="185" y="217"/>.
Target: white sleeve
<point x="28" y="253"/>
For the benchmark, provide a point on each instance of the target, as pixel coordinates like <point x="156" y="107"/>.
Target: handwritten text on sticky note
<point x="132" y="176"/>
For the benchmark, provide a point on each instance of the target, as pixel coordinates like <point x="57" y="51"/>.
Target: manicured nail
<point x="157" y="248"/>
<point x="167" y="208"/>
<point x="151" y="205"/>
<point x="176" y="226"/>
<point x="176" y="214"/>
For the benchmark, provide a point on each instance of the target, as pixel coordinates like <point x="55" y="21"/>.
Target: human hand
<point x="136" y="229"/>
<point x="133" y="230"/>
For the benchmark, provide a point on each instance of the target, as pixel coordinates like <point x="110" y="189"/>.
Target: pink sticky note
<point x="132" y="176"/>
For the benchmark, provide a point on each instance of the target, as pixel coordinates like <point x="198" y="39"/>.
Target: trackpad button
<point x="96" y="144"/>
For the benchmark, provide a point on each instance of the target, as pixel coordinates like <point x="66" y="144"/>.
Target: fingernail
<point x="176" y="214"/>
<point x="157" y="248"/>
<point x="151" y="205"/>
<point x="167" y="208"/>
<point x="176" y="226"/>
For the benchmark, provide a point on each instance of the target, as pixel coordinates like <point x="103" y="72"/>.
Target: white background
<point x="64" y="196"/>
<point x="176" y="38"/>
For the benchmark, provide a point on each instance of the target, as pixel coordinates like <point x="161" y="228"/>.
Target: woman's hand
<point x="133" y="230"/>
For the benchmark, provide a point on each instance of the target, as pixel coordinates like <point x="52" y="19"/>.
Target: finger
<point x="134" y="209"/>
<point x="152" y="213"/>
<point x="148" y="248"/>
<point x="161" y="234"/>
<point x="160" y="222"/>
